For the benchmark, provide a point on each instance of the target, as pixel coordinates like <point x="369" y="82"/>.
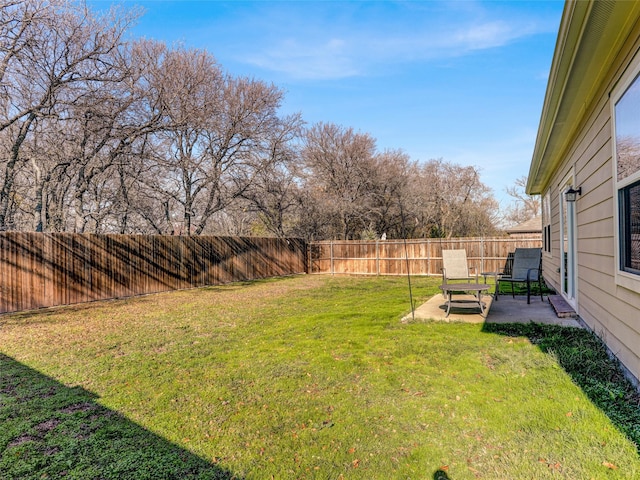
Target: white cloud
<point x="329" y="59"/>
<point x="318" y="47"/>
<point x="486" y="35"/>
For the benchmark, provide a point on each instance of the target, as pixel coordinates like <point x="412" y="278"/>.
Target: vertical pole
<point x="406" y="256"/>
<point x="331" y="256"/>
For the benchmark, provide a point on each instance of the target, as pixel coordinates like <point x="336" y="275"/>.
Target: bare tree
<point x="524" y="207"/>
<point x="352" y="191"/>
<point x="238" y="142"/>
<point x="390" y="194"/>
<point x="20" y="21"/>
<point x="216" y="140"/>
<point x="275" y="193"/>
<point x="102" y="135"/>
<point x="56" y="49"/>
<point x="338" y="167"/>
<point x="113" y="128"/>
<point x="453" y="201"/>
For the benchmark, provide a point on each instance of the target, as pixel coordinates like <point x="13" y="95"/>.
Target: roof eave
<point x="590" y="34"/>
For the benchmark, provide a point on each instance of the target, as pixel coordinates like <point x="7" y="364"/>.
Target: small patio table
<point x="449" y="289"/>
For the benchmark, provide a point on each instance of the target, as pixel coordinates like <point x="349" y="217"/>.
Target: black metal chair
<point x="526" y="268"/>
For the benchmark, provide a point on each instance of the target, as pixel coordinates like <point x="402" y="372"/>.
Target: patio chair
<point x="508" y="265"/>
<point x="454" y="266"/>
<point x="506" y="271"/>
<point x="526" y="268"/>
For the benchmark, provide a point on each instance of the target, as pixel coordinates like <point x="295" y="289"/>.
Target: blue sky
<point x="459" y="80"/>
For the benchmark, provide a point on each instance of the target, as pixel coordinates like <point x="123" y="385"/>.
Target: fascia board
<point x="588" y="42"/>
<point x="571" y="29"/>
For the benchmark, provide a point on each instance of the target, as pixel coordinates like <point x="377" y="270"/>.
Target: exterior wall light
<point x="571" y="195"/>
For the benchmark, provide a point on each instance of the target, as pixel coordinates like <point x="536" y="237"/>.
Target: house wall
<point x="611" y="311"/>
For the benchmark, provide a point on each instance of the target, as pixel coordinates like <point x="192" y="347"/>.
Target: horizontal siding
<point x="600" y="263"/>
<point x="617" y="334"/>
<point x="597" y="228"/>
<point x="597" y="246"/>
<point x="611" y="311"/>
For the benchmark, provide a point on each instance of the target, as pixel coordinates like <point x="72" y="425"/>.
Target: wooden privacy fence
<point x="421" y="256"/>
<point x="43" y="270"/>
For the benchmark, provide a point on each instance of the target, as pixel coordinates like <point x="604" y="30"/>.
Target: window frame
<point x="546" y="223"/>
<point x="624" y="226"/>
<point x="624" y="276"/>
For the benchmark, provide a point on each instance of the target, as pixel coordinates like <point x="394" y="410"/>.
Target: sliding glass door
<point x="568" y="246"/>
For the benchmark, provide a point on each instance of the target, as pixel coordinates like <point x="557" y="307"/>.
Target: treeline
<point x="103" y="135"/>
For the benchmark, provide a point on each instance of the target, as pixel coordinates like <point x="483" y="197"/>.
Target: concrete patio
<point x="505" y="310"/>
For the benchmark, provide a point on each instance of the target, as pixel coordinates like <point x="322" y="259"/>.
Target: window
<point x="546" y="222"/>
<point x="627" y="175"/>
<point x="629" y="201"/>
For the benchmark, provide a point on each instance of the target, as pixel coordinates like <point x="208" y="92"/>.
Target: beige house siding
<point x="611" y="311"/>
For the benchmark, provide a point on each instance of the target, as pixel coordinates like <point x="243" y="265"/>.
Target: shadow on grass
<point x="50" y="430"/>
<point x="585" y="359"/>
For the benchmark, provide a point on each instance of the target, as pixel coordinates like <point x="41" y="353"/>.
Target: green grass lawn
<point x="305" y="377"/>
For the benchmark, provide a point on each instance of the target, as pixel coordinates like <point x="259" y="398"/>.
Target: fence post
<point x="331" y="256"/>
<point x="377" y="258"/>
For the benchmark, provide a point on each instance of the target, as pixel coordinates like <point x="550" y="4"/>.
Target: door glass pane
<point x="568" y="245"/>
<point x="565" y="242"/>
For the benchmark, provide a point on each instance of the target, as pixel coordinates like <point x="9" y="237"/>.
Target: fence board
<point x="43" y="270"/>
<point x="421" y="256"/>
